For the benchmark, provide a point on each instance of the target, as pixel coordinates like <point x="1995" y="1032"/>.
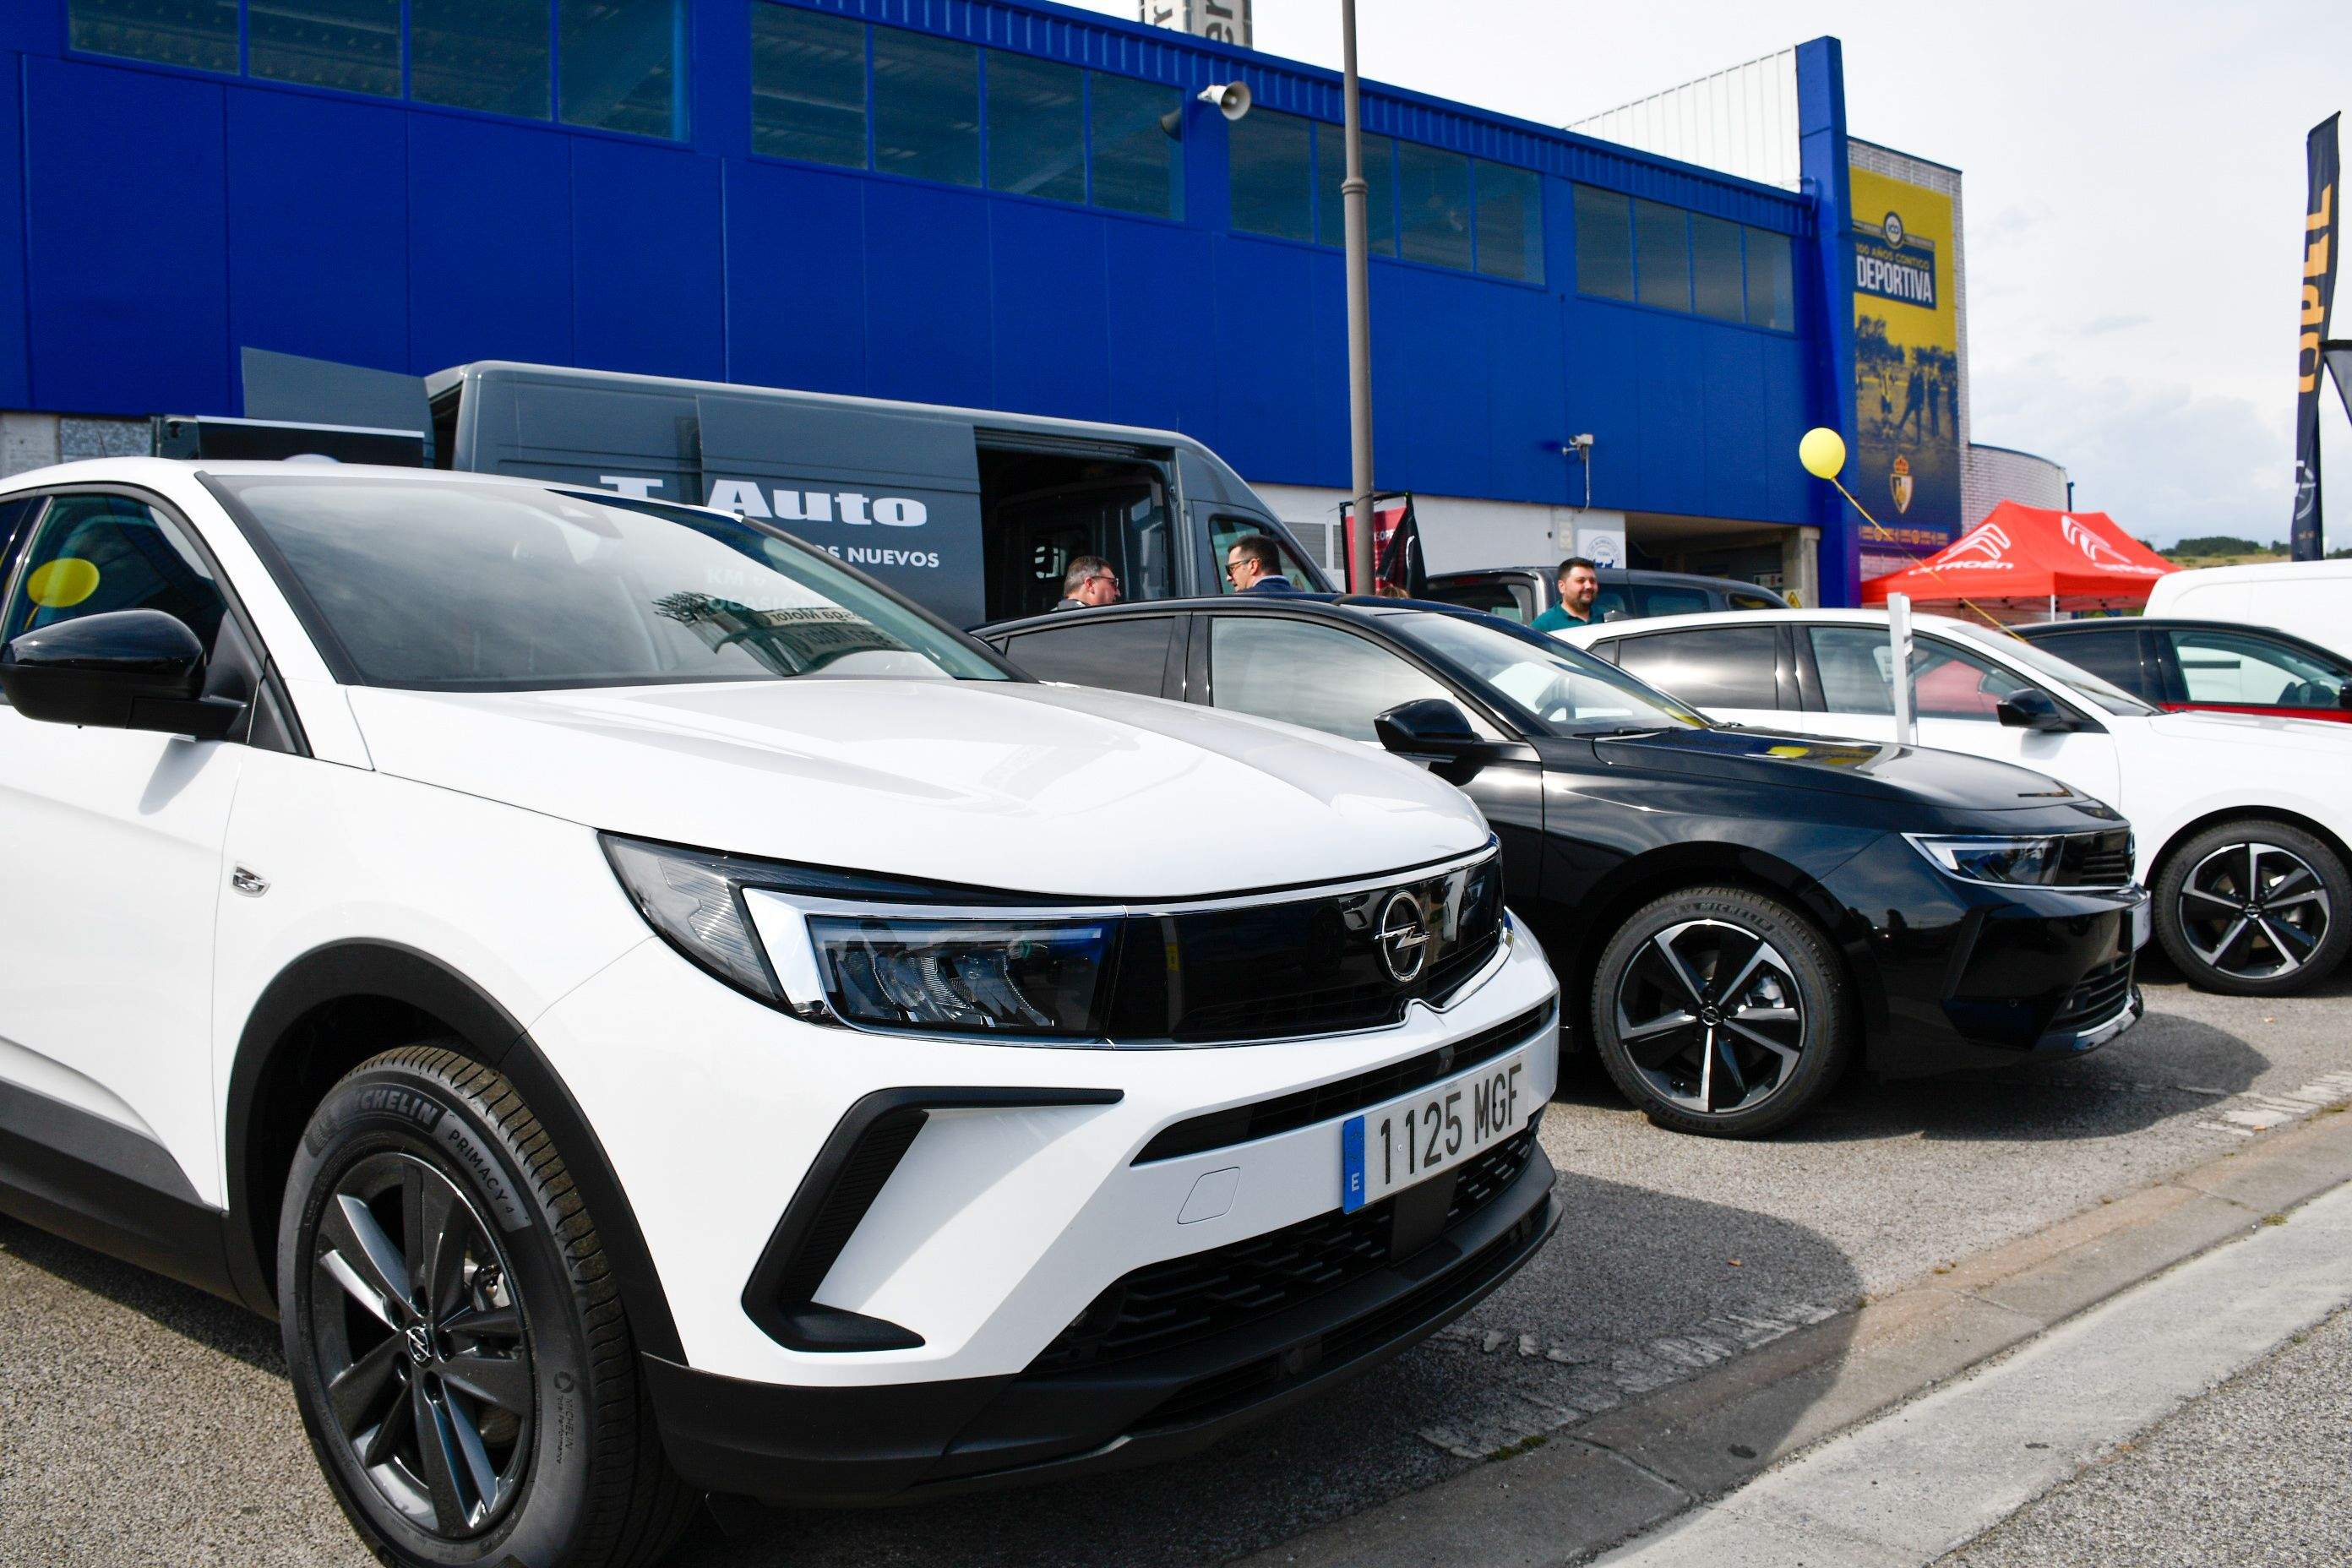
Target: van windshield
<point x="445" y="585"/>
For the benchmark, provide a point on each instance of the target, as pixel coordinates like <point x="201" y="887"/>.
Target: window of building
<point x="1716" y="268"/>
<point x="1771" y="281"/>
<point x="198" y="33"/>
<point x="622" y="65"/>
<point x="1433" y="205"/>
<point x="808" y="86"/>
<point x="1715" y="666"/>
<point x="1510" y="222"/>
<point x="1379" y="195"/>
<point x="1273" y="176"/>
<point x="1604" y="243"/>
<point x="926" y="107"/>
<point x="1321" y="677"/>
<point x="489" y="55"/>
<point x="1138" y="142"/>
<point x="1660" y="255"/>
<point x="353" y="45"/>
<point x="1036" y="127"/>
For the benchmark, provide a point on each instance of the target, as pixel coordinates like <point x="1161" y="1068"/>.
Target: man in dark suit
<point x="1253" y="566"/>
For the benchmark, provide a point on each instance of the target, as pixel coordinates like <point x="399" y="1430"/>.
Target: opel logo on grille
<point x="1404" y="938"/>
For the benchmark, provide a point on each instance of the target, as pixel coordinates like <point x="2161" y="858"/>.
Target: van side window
<point x="1224" y="530"/>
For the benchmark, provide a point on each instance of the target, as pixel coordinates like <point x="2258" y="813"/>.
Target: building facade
<point x="999" y="204"/>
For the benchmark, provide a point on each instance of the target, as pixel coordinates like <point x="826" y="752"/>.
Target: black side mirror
<point x="1432" y="730"/>
<point x="125" y="669"/>
<point x="2033" y="708"/>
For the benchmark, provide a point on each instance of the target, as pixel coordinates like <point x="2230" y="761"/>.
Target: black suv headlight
<point x="835" y="947"/>
<point x="2026" y="861"/>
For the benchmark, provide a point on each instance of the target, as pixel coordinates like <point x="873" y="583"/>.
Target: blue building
<point x="1005" y="204"/>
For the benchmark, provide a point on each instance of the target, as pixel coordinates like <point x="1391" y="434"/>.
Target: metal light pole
<point x="1360" y="316"/>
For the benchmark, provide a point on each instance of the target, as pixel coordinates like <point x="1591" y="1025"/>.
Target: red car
<point x="2222" y="665"/>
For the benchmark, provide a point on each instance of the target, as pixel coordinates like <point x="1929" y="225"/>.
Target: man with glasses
<point x="1253" y="567"/>
<point x="1089" y="584"/>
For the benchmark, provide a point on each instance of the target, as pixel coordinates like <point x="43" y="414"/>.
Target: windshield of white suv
<point x="2050" y="667"/>
<point x="450" y="586"/>
<point x="1570" y="690"/>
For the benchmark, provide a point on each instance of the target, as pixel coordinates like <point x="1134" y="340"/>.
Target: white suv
<point x="651" y="1011"/>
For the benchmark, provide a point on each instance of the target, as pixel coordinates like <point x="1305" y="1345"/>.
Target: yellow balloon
<point x="62" y="583"/>
<point x="1823" y="451"/>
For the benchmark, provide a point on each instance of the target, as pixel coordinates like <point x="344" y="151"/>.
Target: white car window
<point x="2231" y="668"/>
<point x="1857" y="666"/>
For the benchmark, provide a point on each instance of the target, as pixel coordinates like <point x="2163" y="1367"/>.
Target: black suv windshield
<point x="1568" y="691"/>
<point x="447" y="586"/>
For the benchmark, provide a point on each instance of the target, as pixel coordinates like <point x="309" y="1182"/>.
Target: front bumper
<point x="1036" y="1180"/>
<point x="793" y="1446"/>
<point x="1971" y="974"/>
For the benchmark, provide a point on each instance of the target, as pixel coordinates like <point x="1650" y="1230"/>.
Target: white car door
<point x="1955" y="694"/>
<point x="114" y="851"/>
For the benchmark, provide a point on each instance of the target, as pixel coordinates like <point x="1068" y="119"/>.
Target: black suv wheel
<point x="2255" y="908"/>
<point x="1721" y="1012"/>
<point x="461" y="1356"/>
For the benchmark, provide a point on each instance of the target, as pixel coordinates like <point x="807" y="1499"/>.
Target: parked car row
<point x="1735" y="916"/>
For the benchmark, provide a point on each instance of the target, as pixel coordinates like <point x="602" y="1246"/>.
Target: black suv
<point x="1735" y="915"/>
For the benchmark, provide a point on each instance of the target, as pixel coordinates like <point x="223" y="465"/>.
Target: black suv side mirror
<point x="2033" y="708"/>
<point x="125" y="669"/>
<point x="1432" y="730"/>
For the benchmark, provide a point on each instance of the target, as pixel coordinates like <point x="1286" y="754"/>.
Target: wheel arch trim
<point x="386" y="971"/>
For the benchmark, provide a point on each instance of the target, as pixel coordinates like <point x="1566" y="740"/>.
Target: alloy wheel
<point x="420" y="1344"/>
<point x="2253" y="912"/>
<point x="1712" y="1017"/>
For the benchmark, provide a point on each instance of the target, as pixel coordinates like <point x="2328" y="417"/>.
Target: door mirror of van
<point x="1432" y="730"/>
<point x="125" y="669"/>
<point x="2033" y="708"/>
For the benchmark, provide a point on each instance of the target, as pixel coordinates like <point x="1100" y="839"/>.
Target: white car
<point x="2307" y="599"/>
<point x="2241" y="821"/>
<point x="652" y="1012"/>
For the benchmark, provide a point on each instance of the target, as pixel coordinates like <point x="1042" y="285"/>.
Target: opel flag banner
<point x="2318" y="295"/>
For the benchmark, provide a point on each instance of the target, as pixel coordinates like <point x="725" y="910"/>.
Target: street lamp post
<point x="1360" y="316"/>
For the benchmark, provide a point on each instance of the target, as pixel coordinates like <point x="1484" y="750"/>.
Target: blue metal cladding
<point x="166" y="218"/>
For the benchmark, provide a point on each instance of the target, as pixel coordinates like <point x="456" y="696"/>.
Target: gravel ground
<point x="1676" y="1253"/>
<point x="2255" y="1474"/>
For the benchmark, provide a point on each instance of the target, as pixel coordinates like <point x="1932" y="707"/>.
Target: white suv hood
<point x="1038" y="788"/>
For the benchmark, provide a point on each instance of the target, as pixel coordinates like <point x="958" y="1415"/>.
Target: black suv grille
<point x="2096" y="997"/>
<point x="2102" y="860"/>
<point x="1163" y="1305"/>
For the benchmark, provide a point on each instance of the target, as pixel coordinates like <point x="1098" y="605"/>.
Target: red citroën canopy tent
<point x="2025" y="561"/>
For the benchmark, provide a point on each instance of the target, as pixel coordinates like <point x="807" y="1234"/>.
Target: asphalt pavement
<point x="1678" y="1255"/>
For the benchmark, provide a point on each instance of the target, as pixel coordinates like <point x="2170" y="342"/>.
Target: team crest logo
<point x="1892" y="229"/>
<point x="1899" y="481"/>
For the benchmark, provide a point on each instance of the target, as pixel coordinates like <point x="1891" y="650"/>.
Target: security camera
<point x="1581" y="443"/>
<point x="1231" y="98"/>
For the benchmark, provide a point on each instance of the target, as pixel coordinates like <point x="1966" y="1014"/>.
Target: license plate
<point x="1431" y="1131"/>
<point x="2140" y="923"/>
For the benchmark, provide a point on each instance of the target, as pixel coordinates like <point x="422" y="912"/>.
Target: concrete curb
<point x="1645" y="1461"/>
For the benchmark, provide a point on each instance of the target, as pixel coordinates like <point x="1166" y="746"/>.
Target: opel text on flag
<point x="2318" y="295"/>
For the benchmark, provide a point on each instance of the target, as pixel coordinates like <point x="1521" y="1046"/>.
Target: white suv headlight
<point x="835" y="947"/>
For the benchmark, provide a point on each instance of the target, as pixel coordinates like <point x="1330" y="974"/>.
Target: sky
<point x="2134" y="191"/>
